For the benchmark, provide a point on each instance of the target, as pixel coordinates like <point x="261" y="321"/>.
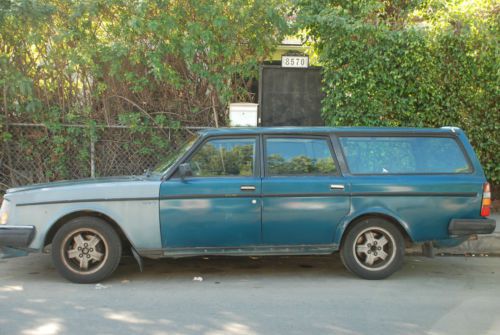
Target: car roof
<point x="320" y="130"/>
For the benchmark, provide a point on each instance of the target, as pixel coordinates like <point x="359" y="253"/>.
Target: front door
<point x="219" y="205"/>
<point x="304" y="196"/>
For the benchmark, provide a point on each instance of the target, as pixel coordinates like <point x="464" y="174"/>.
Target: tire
<point x="373" y="248"/>
<point x="86" y="250"/>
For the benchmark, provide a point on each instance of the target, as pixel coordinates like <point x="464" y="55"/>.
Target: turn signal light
<point x="486" y="204"/>
<point x="4" y="212"/>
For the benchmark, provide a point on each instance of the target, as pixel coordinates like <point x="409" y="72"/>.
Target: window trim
<point x="471" y="170"/>
<point x="171" y="172"/>
<point x="256" y="167"/>
<point x="325" y="137"/>
<point x="337" y="148"/>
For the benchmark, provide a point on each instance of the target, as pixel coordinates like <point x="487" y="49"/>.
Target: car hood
<point x="83" y="182"/>
<point x="87" y="190"/>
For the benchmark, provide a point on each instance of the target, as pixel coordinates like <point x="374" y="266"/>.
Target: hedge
<point x="410" y="63"/>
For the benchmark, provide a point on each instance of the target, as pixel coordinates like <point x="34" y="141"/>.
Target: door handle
<point x="247" y="188"/>
<point x="337" y="187"/>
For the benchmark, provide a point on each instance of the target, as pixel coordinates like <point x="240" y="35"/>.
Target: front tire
<point x="373" y="249"/>
<point x="86" y="250"/>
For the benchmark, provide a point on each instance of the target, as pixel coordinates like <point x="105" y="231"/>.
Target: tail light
<point x="486" y="204"/>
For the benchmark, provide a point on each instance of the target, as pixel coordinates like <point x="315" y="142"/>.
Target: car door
<point x="219" y="205"/>
<point x="304" y="196"/>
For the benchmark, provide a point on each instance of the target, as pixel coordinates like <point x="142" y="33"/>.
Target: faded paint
<point x="298" y="214"/>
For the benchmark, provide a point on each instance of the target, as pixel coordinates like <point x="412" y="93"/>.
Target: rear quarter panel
<point x="422" y="204"/>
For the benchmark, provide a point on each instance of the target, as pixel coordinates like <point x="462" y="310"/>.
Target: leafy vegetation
<point x="169" y="64"/>
<point x="141" y="64"/>
<point x="411" y="63"/>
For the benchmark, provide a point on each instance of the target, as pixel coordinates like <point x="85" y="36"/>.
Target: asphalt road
<point x="244" y="296"/>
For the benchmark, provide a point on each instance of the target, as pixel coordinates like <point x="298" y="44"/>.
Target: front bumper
<point x="16" y="236"/>
<point x="464" y="227"/>
<point x="15" y="240"/>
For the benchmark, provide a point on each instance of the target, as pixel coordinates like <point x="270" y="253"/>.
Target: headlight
<point x="4" y="211"/>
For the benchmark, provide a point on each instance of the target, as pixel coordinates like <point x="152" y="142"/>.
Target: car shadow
<point x="225" y="267"/>
<point x="38" y="267"/>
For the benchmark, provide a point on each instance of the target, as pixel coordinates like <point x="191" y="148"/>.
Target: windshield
<point x="173" y="156"/>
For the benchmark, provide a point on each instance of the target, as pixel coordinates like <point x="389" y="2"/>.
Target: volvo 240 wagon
<point x="365" y="192"/>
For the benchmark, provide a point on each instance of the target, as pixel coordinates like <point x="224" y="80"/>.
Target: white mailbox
<point x="243" y="114"/>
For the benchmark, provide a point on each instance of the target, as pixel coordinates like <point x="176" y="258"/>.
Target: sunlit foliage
<point x="160" y="63"/>
<point x="411" y="63"/>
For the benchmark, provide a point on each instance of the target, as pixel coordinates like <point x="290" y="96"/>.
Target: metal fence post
<point x="92" y="157"/>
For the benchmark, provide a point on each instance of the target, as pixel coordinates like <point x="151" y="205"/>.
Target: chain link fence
<point x="35" y="154"/>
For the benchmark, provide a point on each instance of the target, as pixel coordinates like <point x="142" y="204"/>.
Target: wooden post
<point x="216" y="119"/>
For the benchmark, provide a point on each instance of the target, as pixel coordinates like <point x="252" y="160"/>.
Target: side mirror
<point x="185" y="170"/>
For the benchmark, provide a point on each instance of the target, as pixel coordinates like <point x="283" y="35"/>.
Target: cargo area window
<point x="299" y="156"/>
<point x="404" y="155"/>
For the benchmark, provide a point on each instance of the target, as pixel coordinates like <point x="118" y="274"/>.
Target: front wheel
<point x="86" y="250"/>
<point x="373" y="249"/>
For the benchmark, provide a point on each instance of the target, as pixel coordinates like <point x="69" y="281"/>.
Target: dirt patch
<point x="495" y="206"/>
<point x="495" y="192"/>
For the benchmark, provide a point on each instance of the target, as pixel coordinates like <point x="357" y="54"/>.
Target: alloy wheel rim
<point x="84" y="251"/>
<point x="374" y="249"/>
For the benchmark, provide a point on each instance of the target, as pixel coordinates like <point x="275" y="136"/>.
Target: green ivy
<point x="411" y="63"/>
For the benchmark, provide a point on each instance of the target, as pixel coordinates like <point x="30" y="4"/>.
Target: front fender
<point x="138" y="219"/>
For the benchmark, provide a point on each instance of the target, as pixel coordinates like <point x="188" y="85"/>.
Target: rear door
<point x="304" y="196"/>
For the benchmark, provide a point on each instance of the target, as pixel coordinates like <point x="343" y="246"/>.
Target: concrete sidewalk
<point x="485" y="244"/>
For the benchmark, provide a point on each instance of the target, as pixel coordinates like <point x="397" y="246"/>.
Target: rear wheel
<point x="373" y="249"/>
<point x="86" y="250"/>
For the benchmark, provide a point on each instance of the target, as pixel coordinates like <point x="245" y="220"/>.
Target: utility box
<point x="243" y="114"/>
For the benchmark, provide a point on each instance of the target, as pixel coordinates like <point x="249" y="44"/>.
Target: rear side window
<point x="299" y="156"/>
<point x="403" y="155"/>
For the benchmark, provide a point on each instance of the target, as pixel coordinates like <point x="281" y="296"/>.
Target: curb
<point x="485" y="244"/>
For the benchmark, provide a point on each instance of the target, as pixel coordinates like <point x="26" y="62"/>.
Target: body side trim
<point x="414" y="194"/>
<point x="261" y="250"/>
<point x="322" y="194"/>
<point x="85" y="200"/>
<point x="270" y="195"/>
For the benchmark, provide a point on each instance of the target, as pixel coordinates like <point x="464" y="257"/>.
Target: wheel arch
<point x="91" y="213"/>
<point x="399" y="224"/>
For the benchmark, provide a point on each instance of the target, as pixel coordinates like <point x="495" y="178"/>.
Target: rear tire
<point x="86" y="250"/>
<point x="373" y="248"/>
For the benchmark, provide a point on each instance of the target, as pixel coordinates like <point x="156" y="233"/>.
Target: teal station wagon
<point x="365" y="192"/>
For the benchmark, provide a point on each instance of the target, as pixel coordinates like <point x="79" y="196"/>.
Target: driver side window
<point x="224" y="157"/>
